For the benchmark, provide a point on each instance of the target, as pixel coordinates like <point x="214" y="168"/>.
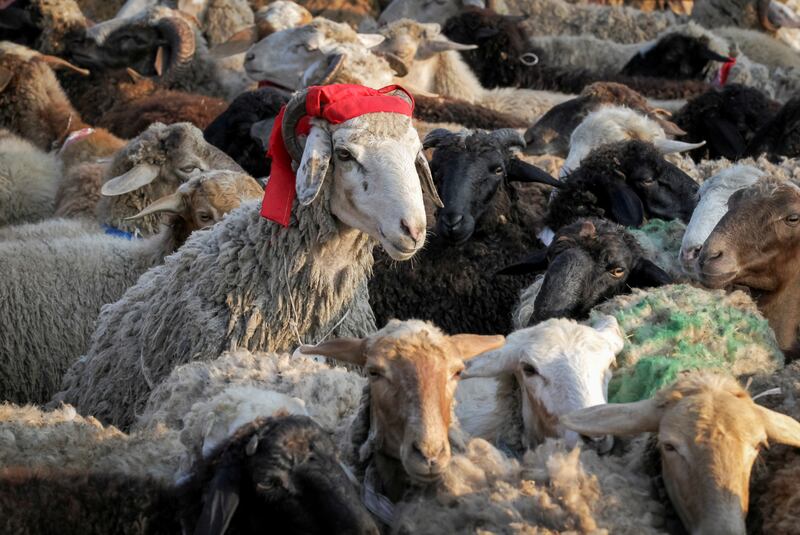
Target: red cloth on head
<point x="724" y="72"/>
<point x="336" y="104"/>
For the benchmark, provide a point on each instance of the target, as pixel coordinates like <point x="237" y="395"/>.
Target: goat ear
<point x="174" y="204"/>
<point x="495" y="363"/>
<point x="137" y="177"/>
<point x="5" y="78"/>
<point x="351" y="350"/>
<point x="472" y="345"/>
<point x="725" y="138"/>
<point x="519" y="171"/>
<point x="780" y="428"/>
<point x="536" y="261"/>
<point x="615" y="418"/>
<point x="626" y="206"/>
<point x="424" y="173"/>
<point x="313" y="165"/>
<point x="648" y="275"/>
<point x="221" y="498"/>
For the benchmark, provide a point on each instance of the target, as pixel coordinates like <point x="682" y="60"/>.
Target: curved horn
<point x="435" y="137"/>
<point x="763" y="15"/>
<point x="326" y="72"/>
<point x="668" y="146"/>
<point x="173" y="203"/>
<point x="508" y="137"/>
<point x="180" y="36"/>
<point x="295" y="110"/>
<point x="59" y="63"/>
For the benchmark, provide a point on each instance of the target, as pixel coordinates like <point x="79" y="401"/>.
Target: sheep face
<point x="675" y="56"/>
<point x="713" y="204"/>
<point x="282" y="473"/>
<point x="588" y="262"/>
<point x="704" y="425"/>
<point x="413" y="373"/>
<point x="374" y="163"/>
<point x="550" y="134"/>
<point x="561" y="367"/>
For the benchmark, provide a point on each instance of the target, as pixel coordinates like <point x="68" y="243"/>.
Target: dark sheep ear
<point x="648" y="275"/>
<point x="710" y="55"/>
<point x="536" y="261"/>
<point x="519" y="171"/>
<point x="221" y="498"/>
<point x="626" y="206"/>
<point x="485" y="33"/>
<point x="725" y="139"/>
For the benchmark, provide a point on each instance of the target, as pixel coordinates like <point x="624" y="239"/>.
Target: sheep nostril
<point x="692" y="253"/>
<point x="415" y="233"/>
<point x="452" y="221"/>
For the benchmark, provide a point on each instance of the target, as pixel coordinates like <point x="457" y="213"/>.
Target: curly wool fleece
<point x="677" y="328"/>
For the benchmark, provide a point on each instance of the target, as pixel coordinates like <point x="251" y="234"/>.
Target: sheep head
<point x="469" y="168"/>
<point x="413" y="373"/>
<point x="426" y="11"/>
<point x="676" y="56"/>
<point x="712" y="205"/>
<point x="561" y="366"/>
<point x="292" y="58"/>
<point x="157" y="41"/>
<point x="588" y="261"/>
<point x="42" y="24"/>
<point x="375" y="171"/>
<point x="408" y="40"/>
<point x="705" y="424"/>
<point x="283" y="472"/>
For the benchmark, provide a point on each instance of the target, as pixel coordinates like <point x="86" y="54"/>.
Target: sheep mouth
<point x="422" y="478"/>
<point x="717" y="280"/>
<point x="395" y="250"/>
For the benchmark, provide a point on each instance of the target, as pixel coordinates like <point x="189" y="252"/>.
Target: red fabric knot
<point x="724" y="72"/>
<point x="336" y="104"/>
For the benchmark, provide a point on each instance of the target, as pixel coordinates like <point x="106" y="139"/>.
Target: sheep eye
<point x="344" y="155"/>
<point x="617" y="272"/>
<point x="189" y="169"/>
<point x="374" y="374"/>
<point x="668" y="447"/>
<point x="205" y="218"/>
<point x="457" y="375"/>
<point x="498" y="170"/>
<point x="529" y="370"/>
<point x="793" y="220"/>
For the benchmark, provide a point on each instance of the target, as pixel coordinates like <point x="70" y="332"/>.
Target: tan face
<point x="212" y="199"/>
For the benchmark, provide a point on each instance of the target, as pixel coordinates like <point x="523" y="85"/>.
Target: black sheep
<point x="780" y="135"/>
<point x="277" y="474"/>
<point x="504" y="58"/>
<point x="485" y="223"/>
<point x="242" y="131"/>
<point x="626" y="182"/>
<point x="675" y="56"/>
<point x="588" y="262"/>
<point x="727" y="120"/>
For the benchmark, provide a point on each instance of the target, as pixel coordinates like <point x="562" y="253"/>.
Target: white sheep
<point x="249" y="283"/>
<point x="56" y="286"/>
<point x="541" y="373"/>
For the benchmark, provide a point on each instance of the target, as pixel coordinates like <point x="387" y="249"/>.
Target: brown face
<point x="753" y="241"/>
<point x="412" y="384"/>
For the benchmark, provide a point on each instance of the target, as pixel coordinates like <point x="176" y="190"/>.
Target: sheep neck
<point x="780" y="308"/>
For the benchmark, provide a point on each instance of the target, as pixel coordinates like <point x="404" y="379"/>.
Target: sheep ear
<point x="474" y="3"/>
<point x="780" y="428"/>
<point x="443" y="44"/>
<point x="424" y="173"/>
<point x="519" y="171"/>
<point x="495" y="363"/>
<point x="536" y="261"/>
<point x="472" y="345"/>
<point x="237" y="43"/>
<point x="435" y="137"/>
<point x="648" y="275"/>
<point x="371" y="40"/>
<point x="615" y="418"/>
<point x="138" y="176"/>
<point x="160" y="63"/>
<point x="174" y="204"/>
<point x="710" y="55"/>
<point x="626" y="206"/>
<point x="221" y="499"/>
<point x="725" y="138"/>
<point x="351" y="350"/>
<point x="260" y="131"/>
<point x="314" y="165"/>
<point x="668" y="146"/>
<point x="60" y="63"/>
<point x="608" y="327"/>
<point x="5" y="77"/>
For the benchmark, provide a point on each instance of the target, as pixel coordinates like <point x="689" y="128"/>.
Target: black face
<point x="550" y="135"/>
<point x="20" y="23"/>
<point x="126" y="47"/>
<point x="466" y="183"/>
<point x="292" y="483"/>
<point x="676" y="57"/>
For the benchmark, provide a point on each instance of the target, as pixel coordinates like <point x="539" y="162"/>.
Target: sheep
<point x="624" y="181"/>
<point x="250" y="283"/>
<point x="47" y="328"/>
<point x="713" y="198"/>
<point x="678" y="327"/>
<point x="704" y="423"/>
<point x="28" y="181"/>
<point x="727" y="120"/>
<point x="541" y="373"/>
<point x="434" y="66"/>
<point x="551" y="133"/>
<point x="776" y="137"/>
<point x="486" y="221"/>
<point x="760" y="47"/>
<point x="753" y="246"/>
<point x="404" y="429"/>
<point x="282" y="471"/>
<point x="587" y="262"/>
<point x="45" y="25"/>
<point x="616" y="123"/>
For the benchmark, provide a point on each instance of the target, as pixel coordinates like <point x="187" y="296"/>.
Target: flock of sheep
<point x="561" y="296"/>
